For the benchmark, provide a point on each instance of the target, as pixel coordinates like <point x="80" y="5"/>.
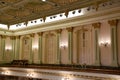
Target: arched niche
<point x="49" y="47"/>
<point x="83" y="45"/>
<point x="25" y="47"/>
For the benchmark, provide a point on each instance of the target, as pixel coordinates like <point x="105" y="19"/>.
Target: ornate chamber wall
<point x="91" y="44"/>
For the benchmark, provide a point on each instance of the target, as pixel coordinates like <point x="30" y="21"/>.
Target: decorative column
<point x="3" y="47"/>
<point x="58" y="47"/>
<point x="17" y="47"/>
<point x="114" y="53"/>
<point x="70" y="44"/>
<point x="40" y="48"/>
<point x="13" y="47"/>
<point x="96" y="42"/>
<point x="31" y="51"/>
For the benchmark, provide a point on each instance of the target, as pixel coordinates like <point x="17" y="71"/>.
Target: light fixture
<point x="31" y="21"/>
<point x="88" y="9"/>
<point x="35" y="21"/>
<point x="4" y="73"/>
<point x="16" y="25"/>
<point x="61" y="15"/>
<point x="43" y="0"/>
<point x="50" y="17"/>
<point x="63" y="46"/>
<point x="54" y="16"/>
<point x="30" y="74"/>
<point x="73" y="12"/>
<point x="104" y="43"/>
<point x="41" y="20"/>
<point x="79" y="11"/>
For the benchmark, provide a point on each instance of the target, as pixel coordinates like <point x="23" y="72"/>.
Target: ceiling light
<point x="50" y="17"/>
<point x="79" y="11"/>
<point x="61" y="15"/>
<point x="43" y="0"/>
<point x="73" y="12"/>
<point x="41" y="20"/>
<point x="54" y="16"/>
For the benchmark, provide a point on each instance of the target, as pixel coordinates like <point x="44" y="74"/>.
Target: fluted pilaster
<point x="96" y="46"/>
<point x="31" y="51"/>
<point x="40" y="48"/>
<point x="114" y="54"/>
<point x="58" y="47"/>
<point x="70" y="44"/>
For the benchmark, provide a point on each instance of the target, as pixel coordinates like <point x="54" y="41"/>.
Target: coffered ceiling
<point x="16" y="11"/>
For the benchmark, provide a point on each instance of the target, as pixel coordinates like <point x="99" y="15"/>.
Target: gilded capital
<point x="12" y="37"/>
<point x="58" y="31"/>
<point x="3" y="36"/>
<point x="70" y="29"/>
<point x="18" y="37"/>
<point x="96" y="25"/>
<point x="40" y="33"/>
<point x="32" y="35"/>
<point x="113" y="22"/>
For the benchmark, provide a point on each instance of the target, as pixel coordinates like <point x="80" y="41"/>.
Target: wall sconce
<point x="30" y="74"/>
<point x="35" y="48"/>
<point x="63" y="46"/>
<point x="104" y="43"/>
<point x="8" y="48"/>
<point x="4" y="73"/>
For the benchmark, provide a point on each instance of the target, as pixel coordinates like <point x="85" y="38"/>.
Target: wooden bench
<point x="19" y="62"/>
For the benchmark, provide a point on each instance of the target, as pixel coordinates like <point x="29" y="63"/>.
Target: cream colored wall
<point x="85" y="54"/>
<point x="105" y="37"/>
<point x="35" y="48"/>
<point x="64" y="49"/>
<point x="8" y="47"/>
<point x="49" y="46"/>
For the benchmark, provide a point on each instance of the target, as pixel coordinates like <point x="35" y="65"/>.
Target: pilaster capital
<point x="40" y="33"/>
<point x="18" y="37"/>
<point x="70" y="29"/>
<point x="12" y="37"/>
<point x="113" y="22"/>
<point x="96" y="25"/>
<point x="32" y="35"/>
<point x="3" y="36"/>
<point x="58" y="31"/>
